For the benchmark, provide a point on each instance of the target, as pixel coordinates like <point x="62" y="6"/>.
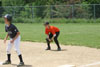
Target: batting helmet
<point x="9" y="17"/>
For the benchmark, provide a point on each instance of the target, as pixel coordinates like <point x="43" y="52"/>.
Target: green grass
<point x="87" y="34"/>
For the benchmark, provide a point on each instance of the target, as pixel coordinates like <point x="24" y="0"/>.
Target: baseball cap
<point x="46" y="23"/>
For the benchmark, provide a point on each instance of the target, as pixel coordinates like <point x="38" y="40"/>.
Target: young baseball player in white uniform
<point x="14" y="35"/>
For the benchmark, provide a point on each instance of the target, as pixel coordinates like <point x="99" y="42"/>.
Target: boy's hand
<point x="50" y="40"/>
<point x="12" y="41"/>
<point x="5" y="40"/>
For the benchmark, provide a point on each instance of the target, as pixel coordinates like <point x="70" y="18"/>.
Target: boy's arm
<point x="53" y="37"/>
<point x="54" y="34"/>
<point x="47" y="36"/>
<point x="18" y="33"/>
<point x="6" y="38"/>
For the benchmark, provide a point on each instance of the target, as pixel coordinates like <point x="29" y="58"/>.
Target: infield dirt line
<point x="34" y="55"/>
<point x="87" y="65"/>
<point x="92" y="64"/>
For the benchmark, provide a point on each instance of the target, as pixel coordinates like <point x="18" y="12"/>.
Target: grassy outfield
<point x="71" y="34"/>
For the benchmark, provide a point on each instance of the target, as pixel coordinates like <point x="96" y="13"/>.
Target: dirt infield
<point x="34" y="55"/>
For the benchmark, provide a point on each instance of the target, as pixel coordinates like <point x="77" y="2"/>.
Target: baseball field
<point x="86" y="34"/>
<point x="80" y="44"/>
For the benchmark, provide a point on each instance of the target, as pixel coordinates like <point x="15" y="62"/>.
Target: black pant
<point x="55" y="39"/>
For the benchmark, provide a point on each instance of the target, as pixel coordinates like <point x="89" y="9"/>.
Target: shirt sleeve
<point x="5" y="29"/>
<point x="46" y="32"/>
<point x="15" y="29"/>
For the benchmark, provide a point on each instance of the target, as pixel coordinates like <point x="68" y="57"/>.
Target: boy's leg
<point x="17" y="46"/>
<point x="9" y="51"/>
<point x="8" y="61"/>
<point x="56" y="41"/>
<point x="48" y="42"/>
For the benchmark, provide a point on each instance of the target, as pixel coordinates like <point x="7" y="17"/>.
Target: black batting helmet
<point x="9" y="17"/>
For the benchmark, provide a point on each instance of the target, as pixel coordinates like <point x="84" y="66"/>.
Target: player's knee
<point x="47" y="39"/>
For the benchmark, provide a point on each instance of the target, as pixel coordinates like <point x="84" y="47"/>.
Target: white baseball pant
<point x="16" y="45"/>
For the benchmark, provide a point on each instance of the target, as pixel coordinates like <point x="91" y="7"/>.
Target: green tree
<point x="13" y="2"/>
<point x="9" y="6"/>
<point x="95" y="7"/>
<point x="92" y="1"/>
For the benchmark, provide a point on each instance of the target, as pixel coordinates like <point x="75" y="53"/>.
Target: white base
<point x="1" y="63"/>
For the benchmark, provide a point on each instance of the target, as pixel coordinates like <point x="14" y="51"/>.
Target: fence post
<point x="94" y="12"/>
<point x="72" y="11"/>
<point x="32" y="12"/>
<point x="51" y="12"/>
<point x="14" y="11"/>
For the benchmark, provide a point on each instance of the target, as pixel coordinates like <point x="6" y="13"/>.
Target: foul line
<point x="67" y="66"/>
<point x="87" y="65"/>
<point x="90" y="64"/>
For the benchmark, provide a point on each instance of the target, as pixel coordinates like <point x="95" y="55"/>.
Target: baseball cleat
<point x="59" y="49"/>
<point x="7" y="62"/>
<point x="21" y="64"/>
<point x="48" y="49"/>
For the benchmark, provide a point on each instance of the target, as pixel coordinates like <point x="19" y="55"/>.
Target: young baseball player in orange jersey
<point x="52" y="34"/>
<point x="14" y="35"/>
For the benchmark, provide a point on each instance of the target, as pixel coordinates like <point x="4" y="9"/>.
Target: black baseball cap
<point x="46" y="23"/>
<point x="9" y="17"/>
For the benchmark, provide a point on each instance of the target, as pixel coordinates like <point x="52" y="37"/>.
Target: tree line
<point x="55" y="12"/>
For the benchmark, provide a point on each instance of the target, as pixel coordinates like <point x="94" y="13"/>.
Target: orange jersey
<point x="52" y="30"/>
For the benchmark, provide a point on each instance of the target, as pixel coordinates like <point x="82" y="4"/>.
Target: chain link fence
<point x="86" y="11"/>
